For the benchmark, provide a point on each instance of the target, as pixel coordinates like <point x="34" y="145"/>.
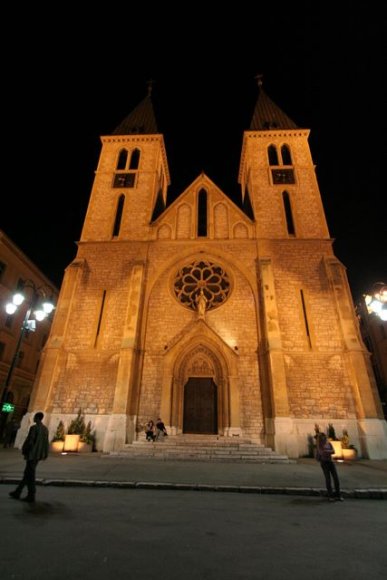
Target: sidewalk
<point x="360" y="479"/>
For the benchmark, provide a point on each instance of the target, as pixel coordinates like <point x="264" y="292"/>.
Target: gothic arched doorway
<point x="200" y="406"/>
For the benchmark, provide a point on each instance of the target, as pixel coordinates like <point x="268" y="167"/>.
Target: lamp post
<point x="39" y="308"/>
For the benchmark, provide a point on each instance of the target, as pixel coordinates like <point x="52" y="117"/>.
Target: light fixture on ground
<point x="376" y="301"/>
<point x="40" y="306"/>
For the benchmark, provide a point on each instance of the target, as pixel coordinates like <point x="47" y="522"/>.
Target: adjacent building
<point x="15" y="270"/>
<point x="374" y="332"/>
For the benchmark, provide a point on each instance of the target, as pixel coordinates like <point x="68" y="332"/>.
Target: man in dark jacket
<point x="324" y="454"/>
<point x="35" y="448"/>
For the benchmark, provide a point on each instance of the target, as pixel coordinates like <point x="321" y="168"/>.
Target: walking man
<point x="35" y="448"/>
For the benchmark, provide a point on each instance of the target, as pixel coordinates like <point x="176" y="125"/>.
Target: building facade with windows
<point x="15" y="269"/>
<point x="224" y="319"/>
<point x="374" y="333"/>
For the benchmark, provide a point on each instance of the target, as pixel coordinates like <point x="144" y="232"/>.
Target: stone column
<point x="53" y="357"/>
<point x="166" y="401"/>
<point x="121" y="426"/>
<point x="279" y="426"/>
<point x="234" y="426"/>
<point x="372" y="429"/>
<point x="363" y="383"/>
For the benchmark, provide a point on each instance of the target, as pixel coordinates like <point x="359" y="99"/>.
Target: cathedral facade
<point x="223" y="319"/>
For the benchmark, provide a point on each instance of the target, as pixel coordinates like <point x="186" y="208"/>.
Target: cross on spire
<point x="259" y="79"/>
<point x="150" y="84"/>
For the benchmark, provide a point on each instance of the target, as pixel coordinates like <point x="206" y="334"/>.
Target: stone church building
<point x="235" y="321"/>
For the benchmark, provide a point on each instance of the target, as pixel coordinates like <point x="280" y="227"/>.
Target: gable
<point x="183" y="219"/>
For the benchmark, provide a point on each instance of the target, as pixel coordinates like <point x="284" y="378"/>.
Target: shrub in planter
<point x="87" y="440"/>
<point x="75" y="431"/>
<point x="58" y="439"/>
<point x="59" y="433"/>
<point x="331" y="432"/>
<point x="349" y="451"/>
<point x="77" y="425"/>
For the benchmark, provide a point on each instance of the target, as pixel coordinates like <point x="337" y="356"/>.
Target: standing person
<point x="161" y="431"/>
<point x="35" y="448"/>
<point x="10" y="433"/>
<point x="150" y="431"/>
<point x="324" y="456"/>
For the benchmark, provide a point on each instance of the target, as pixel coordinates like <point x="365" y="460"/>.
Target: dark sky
<point x="73" y="78"/>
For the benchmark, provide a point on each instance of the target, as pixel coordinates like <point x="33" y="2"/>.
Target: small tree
<point x="331" y="432"/>
<point x="77" y="425"/>
<point x="88" y="436"/>
<point x="345" y="440"/>
<point x="60" y="432"/>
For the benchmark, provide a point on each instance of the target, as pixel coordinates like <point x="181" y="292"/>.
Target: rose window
<point x="201" y="279"/>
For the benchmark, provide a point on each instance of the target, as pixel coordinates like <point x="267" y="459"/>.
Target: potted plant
<point x="57" y="442"/>
<point x="87" y="440"/>
<point x="336" y="444"/>
<point x="349" y="451"/>
<point x="74" y="432"/>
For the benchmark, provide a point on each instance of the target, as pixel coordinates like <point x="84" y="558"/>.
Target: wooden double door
<point x="200" y="406"/>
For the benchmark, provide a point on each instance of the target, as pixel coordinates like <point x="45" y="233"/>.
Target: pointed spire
<point x="141" y="120"/>
<point x="267" y="115"/>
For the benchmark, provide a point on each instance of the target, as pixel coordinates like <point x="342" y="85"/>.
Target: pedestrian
<point x="150" y="431"/>
<point x="35" y="448"/>
<point x="324" y="454"/>
<point x="161" y="431"/>
<point x="10" y="433"/>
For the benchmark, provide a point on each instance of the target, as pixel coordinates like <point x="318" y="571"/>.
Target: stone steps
<point x="202" y="448"/>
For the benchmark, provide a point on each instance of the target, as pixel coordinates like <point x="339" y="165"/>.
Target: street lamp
<point x="39" y="308"/>
<point x="376" y="301"/>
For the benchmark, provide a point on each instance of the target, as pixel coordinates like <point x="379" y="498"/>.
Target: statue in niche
<point x="201" y="304"/>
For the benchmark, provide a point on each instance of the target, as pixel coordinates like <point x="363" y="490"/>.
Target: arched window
<point x="285" y="154"/>
<point x="202" y="213"/>
<point x="122" y="159"/>
<point x="288" y="213"/>
<point x="273" y="155"/>
<point x="117" y="221"/>
<point x="134" y="159"/>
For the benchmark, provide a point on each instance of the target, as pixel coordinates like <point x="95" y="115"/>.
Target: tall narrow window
<point x="288" y="214"/>
<point x="305" y="318"/>
<point x="117" y="221"/>
<point x="202" y="213"/>
<point x="273" y="155"/>
<point x="285" y="154"/>
<point x="100" y="317"/>
<point x="135" y="159"/>
<point x="122" y="159"/>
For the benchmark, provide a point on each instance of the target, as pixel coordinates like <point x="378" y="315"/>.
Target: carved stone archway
<point x="198" y="362"/>
<point x="201" y="353"/>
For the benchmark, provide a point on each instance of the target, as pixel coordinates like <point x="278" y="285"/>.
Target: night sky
<point x="71" y="80"/>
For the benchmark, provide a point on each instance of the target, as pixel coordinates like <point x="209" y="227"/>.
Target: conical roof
<point x="267" y="115"/>
<point x="141" y="120"/>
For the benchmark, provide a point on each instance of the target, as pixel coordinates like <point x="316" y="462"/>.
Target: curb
<point x="368" y="493"/>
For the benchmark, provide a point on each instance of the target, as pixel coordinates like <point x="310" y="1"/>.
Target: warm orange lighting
<point x="376" y="302"/>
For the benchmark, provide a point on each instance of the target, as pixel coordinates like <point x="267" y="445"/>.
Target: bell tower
<point x="307" y="318"/>
<point x="131" y="179"/>
<point x="277" y="176"/>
